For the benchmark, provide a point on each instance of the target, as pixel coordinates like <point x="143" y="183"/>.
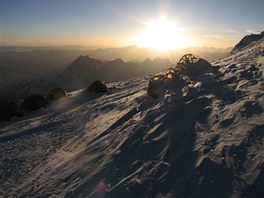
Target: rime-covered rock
<point x="56" y="93"/>
<point x="10" y="109"/>
<point x="34" y="102"/>
<point x="97" y="87"/>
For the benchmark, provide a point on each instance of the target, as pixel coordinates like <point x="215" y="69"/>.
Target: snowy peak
<point x="247" y="40"/>
<point x="117" y="61"/>
<point x="84" y="61"/>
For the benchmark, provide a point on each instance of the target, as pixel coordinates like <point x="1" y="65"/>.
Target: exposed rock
<point x="34" y="102"/>
<point x="250" y="108"/>
<point x="97" y="87"/>
<point x="10" y="109"/>
<point x="155" y="86"/>
<point x="189" y="66"/>
<point x="56" y="93"/>
<point x="200" y="67"/>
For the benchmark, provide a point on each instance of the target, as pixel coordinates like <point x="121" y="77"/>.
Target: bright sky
<point x="162" y="24"/>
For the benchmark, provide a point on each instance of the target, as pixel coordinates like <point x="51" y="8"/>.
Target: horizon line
<point x="107" y="47"/>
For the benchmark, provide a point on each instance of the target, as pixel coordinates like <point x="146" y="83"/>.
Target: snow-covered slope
<point x="202" y="138"/>
<point x="247" y="40"/>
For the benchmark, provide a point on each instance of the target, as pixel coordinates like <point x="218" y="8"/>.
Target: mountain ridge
<point x="247" y="40"/>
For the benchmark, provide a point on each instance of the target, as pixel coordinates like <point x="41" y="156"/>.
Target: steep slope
<point x="202" y="138"/>
<point x="247" y="40"/>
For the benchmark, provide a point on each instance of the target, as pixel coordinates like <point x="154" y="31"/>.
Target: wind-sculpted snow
<point x="202" y="138"/>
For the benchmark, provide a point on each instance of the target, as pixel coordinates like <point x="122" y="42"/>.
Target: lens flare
<point x="162" y="35"/>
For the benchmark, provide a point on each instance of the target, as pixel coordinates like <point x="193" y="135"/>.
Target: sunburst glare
<point x="162" y="35"/>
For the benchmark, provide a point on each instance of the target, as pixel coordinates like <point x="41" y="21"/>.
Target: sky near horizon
<point x="145" y="23"/>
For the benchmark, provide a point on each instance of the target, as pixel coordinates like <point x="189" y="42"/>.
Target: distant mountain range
<point x="27" y="70"/>
<point x="34" y="60"/>
<point x="79" y="74"/>
<point x="84" y="70"/>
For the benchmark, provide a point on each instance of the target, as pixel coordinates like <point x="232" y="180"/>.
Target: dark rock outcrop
<point x="34" y="102"/>
<point x="10" y="109"/>
<point x="97" y="87"/>
<point x="201" y="67"/>
<point x="56" y="93"/>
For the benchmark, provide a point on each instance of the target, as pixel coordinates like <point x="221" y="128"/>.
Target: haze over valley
<point x="24" y="67"/>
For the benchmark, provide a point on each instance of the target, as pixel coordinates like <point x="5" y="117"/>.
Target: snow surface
<point x="202" y="138"/>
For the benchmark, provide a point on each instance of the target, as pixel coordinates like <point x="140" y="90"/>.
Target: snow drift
<point x="202" y="138"/>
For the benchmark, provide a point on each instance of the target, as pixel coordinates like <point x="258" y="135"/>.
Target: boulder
<point x="34" y="102"/>
<point x="56" y="93"/>
<point x="97" y="87"/>
<point x="155" y="86"/>
<point x="200" y="67"/>
<point x="10" y="109"/>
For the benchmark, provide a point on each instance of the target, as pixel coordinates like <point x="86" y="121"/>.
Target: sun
<point x="162" y="35"/>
